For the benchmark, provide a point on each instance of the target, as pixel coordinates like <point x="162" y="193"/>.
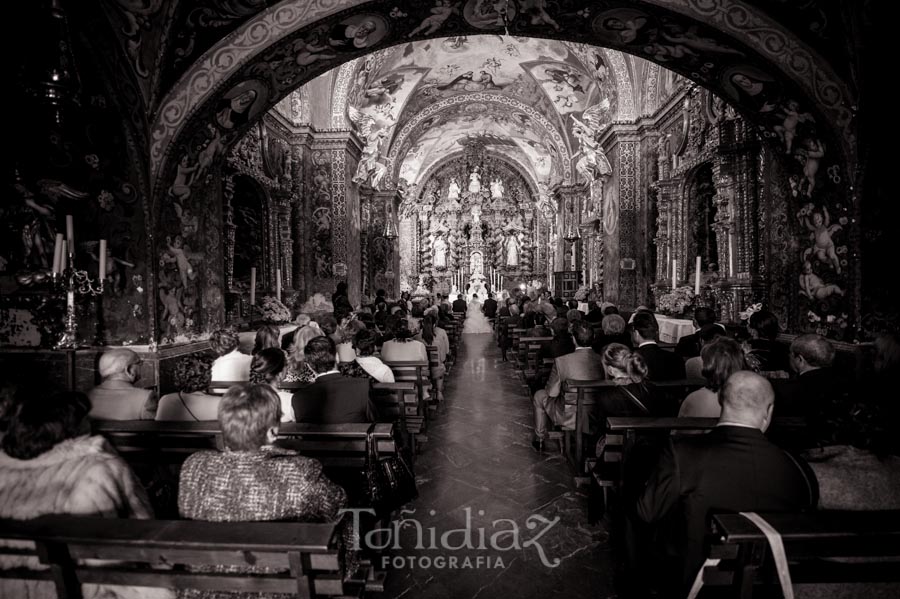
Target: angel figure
<point x="593" y="163"/>
<point x="813" y="287"/>
<point x="181" y="253"/>
<point x="369" y="167"/>
<point x="787" y="130"/>
<point x="189" y="222"/>
<point x="822" y="230"/>
<point x="172" y="311"/>
<point x="440" y="12"/>
<point x="809" y="157"/>
<point x="38" y="232"/>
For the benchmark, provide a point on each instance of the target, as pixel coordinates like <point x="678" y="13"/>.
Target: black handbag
<point x="389" y="482"/>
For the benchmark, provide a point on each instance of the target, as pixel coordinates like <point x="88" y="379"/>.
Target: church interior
<point x="188" y="172"/>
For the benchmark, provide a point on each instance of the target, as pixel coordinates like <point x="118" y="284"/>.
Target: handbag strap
<point x="184" y="403"/>
<point x="775" y="544"/>
<point x="634" y="398"/>
<point x="371" y="449"/>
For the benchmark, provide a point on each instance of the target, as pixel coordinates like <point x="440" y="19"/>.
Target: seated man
<point x="689" y="346"/>
<point x="562" y="342"/>
<point x="816" y="386"/>
<point x="733" y="468"/>
<point x="116" y="398"/>
<point x="663" y="365"/>
<point x="582" y="364"/>
<point x="332" y="398"/>
<point x="460" y="305"/>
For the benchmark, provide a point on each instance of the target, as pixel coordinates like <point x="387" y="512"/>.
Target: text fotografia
<point x="502" y="535"/>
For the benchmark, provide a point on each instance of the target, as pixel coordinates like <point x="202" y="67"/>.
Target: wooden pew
<point x="395" y="403"/>
<point x="155" y="553"/>
<point x="532" y="347"/>
<point x="866" y="546"/>
<point x="419" y="374"/>
<point x="150" y="442"/>
<point x="584" y="390"/>
<point x="516" y="337"/>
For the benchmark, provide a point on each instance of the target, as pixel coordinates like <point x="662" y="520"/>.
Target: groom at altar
<point x="490" y="306"/>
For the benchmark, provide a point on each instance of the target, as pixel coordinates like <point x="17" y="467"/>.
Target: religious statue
<point x="368" y="169"/>
<point x="476" y="215"/>
<point x="475" y="181"/>
<point x="440" y="252"/>
<point x="593" y="163"/>
<point x="453" y="191"/>
<point x="512" y="249"/>
<point x="497" y="189"/>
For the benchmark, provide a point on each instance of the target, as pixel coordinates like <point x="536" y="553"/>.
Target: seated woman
<point x="267" y="368"/>
<point x="721" y="358"/>
<point x="191" y="402"/>
<point x="51" y="465"/>
<point x="297" y="370"/>
<point x="231" y="365"/>
<point x="367" y="364"/>
<point x="266" y="336"/>
<point x="252" y="480"/>
<point x="693" y="367"/>
<point x="348" y="330"/>
<point x="630" y="396"/>
<point x="402" y="347"/>
<point x="772" y="355"/>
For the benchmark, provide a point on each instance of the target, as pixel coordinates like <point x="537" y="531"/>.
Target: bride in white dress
<point x="476" y="321"/>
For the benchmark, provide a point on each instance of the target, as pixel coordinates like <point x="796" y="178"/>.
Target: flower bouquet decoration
<point x="676" y="301"/>
<point x="273" y="311"/>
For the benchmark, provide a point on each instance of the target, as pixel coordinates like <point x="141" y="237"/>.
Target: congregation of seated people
<point x="325" y="371"/>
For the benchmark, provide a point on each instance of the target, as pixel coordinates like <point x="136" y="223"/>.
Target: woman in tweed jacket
<point x="252" y="480"/>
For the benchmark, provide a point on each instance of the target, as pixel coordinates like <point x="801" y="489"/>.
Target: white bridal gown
<point x="476" y="321"/>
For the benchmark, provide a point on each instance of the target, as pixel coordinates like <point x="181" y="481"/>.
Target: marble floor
<point x="478" y="472"/>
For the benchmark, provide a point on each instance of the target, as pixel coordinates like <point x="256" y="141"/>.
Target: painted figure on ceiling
<point x="440" y="12"/>
<point x="235" y="111"/>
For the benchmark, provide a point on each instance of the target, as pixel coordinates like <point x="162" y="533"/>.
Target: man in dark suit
<point x="332" y="398"/>
<point x="689" y="346"/>
<point x="582" y="364"/>
<point x="662" y="365"/>
<point x="459" y="304"/>
<point x="817" y="392"/>
<point x="490" y="306"/>
<point x="734" y="468"/>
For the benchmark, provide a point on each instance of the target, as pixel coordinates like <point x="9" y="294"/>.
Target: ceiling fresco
<point x="395" y="85"/>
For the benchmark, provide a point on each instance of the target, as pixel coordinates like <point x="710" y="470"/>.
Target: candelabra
<point x="74" y="281"/>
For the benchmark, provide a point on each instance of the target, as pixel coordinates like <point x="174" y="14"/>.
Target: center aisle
<point x="478" y="472"/>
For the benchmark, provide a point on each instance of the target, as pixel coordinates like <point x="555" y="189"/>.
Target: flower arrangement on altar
<point x="273" y="311"/>
<point x="582" y="294"/>
<point x="676" y="301"/>
<point x="317" y="303"/>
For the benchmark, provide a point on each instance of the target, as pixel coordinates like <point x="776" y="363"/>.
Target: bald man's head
<point x="747" y="398"/>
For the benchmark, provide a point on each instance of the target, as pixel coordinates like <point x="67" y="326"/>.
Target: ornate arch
<point x="395" y="160"/>
<point x="339" y="93"/>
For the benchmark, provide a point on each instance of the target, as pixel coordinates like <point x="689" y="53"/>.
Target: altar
<point x="673" y="329"/>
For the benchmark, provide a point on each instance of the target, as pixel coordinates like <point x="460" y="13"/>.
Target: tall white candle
<point x="697" y="278"/>
<point x="731" y="272"/>
<point x="102" y="260"/>
<point x="278" y="284"/>
<point x="57" y="253"/>
<point x="253" y="286"/>
<point x="70" y="229"/>
<point x="674" y="271"/>
<point x="63" y="259"/>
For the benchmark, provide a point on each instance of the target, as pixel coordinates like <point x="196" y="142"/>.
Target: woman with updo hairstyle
<point x="266" y="336"/>
<point x="297" y="369"/>
<point x="402" y="347"/>
<point x="721" y="358"/>
<point x="630" y="395"/>
<point x="231" y="365"/>
<point x="432" y="335"/>
<point x="268" y="368"/>
<point x="366" y="365"/>
<point x="191" y="402"/>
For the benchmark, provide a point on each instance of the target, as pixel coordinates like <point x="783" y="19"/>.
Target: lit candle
<point x="253" y="286"/>
<point x="731" y="272"/>
<point x="674" y="271"/>
<point x="102" y="260"/>
<point x="697" y="278"/>
<point x="57" y="253"/>
<point x="278" y="284"/>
